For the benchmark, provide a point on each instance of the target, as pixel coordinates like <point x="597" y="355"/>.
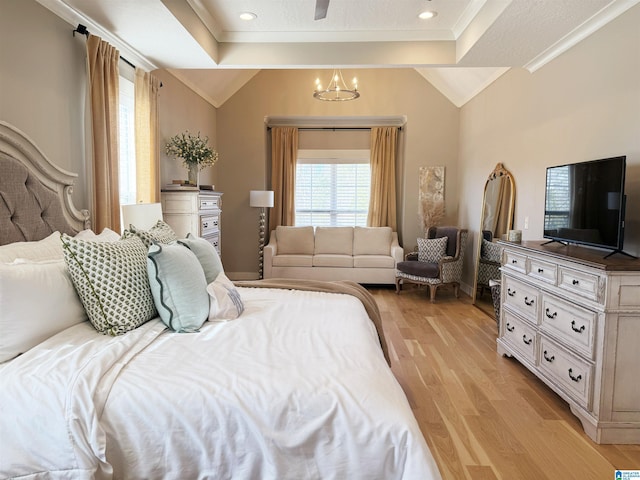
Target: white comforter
<point x="296" y="388"/>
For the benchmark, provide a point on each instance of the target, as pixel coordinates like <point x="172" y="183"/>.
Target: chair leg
<point x="432" y="292"/>
<point x="456" y="286"/>
<point x="398" y="285"/>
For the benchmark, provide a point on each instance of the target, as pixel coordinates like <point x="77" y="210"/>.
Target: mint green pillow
<point x="207" y="255"/>
<point x="178" y="286"/>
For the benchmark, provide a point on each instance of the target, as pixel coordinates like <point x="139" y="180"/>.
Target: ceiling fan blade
<point x="321" y="9"/>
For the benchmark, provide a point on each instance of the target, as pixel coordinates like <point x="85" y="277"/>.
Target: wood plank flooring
<point x="484" y="416"/>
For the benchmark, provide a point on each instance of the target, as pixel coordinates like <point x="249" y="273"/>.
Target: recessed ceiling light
<point x="427" y="14"/>
<point x="248" y="16"/>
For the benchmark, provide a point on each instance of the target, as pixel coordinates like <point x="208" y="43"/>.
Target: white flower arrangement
<point x="193" y="150"/>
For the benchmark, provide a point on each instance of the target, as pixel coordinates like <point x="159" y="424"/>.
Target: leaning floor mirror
<point x="496" y="220"/>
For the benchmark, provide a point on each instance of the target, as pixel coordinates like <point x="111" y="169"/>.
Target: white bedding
<point x="296" y="388"/>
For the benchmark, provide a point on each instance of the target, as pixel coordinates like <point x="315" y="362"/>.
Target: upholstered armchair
<point x="489" y="261"/>
<point x="437" y="262"/>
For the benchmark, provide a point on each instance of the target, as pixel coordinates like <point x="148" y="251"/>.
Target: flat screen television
<point x="585" y="202"/>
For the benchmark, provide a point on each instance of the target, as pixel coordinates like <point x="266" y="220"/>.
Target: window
<point x="126" y="129"/>
<point x="558" y="198"/>
<point x="332" y="188"/>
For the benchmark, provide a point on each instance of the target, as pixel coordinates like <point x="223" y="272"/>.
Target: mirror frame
<point x="498" y="172"/>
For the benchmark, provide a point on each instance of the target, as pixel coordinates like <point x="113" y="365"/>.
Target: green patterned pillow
<point x="159" y="233"/>
<point x="111" y="280"/>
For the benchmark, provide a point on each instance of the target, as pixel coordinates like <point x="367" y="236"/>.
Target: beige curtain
<point x="284" y="157"/>
<point x="102" y="60"/>
<point x="146" y="133"/>
<point x="382" y="205"/>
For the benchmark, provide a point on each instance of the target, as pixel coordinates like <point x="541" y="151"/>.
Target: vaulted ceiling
<point x="460" y="50"/>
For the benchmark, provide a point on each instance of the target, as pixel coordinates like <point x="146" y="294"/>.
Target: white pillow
<point x="225" y="302"/>
<point x="38" y="300"/>
<point x="372" y="240"/>
<point x="48" y="248"/>
<point x="107" y="235"/>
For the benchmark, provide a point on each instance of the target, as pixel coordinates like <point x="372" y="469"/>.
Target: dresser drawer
<point x="569" y="371"/>
<point x="209" y="203"/>
<point x="214" y="240"/>
<point x="521" y="297"/>
<point x="582" y="283"/>
<point x="515" y="261"/>
<point x="209" y="225"/>
<point x="545" y="271"/>
<point x="520" y="336"/>
<point x="573" y="325"/>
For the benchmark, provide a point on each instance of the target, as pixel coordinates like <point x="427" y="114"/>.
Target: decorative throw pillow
<point x="207" y="256"/>
<point x="491" y="251"/>
<point x="111" y="280"/>
<point x="159" y="233"/>
<point x="225" y="302"/>
<point x="48" y="248"/>
<point x="107" y="235"/>
<point x="178" y="286"/>
<point x="24" y="323"/>
<point x="431" y="250"/>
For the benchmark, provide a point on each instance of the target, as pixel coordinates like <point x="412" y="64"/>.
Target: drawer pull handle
<point x="541" y="270"/>
<point x="511" y="293"/>
<point x="547" y="358"/>
<point x="510" y="329"/>
<point x="550" y="315"/>
<point x="575" y="379"/>
<point x="205" y="225"/>
<point x="576" y="282"/>
<point x="514" y="261"/>
<point x="528" y="302"/>
<point x="524" y="339"/>
<point x="578" y="330"/>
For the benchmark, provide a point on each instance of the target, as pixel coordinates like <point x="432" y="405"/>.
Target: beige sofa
<point x="363" y="254"/>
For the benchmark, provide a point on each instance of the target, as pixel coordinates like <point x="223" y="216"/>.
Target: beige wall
<point x="42" y="83"/>
<point x="429" y="138"/>
<point x="181" y="109"/>
<point x="583" y="105"/>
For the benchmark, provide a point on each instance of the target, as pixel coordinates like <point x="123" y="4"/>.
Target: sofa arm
<point x="270" y="250"/>
<point x="397" y="252"/>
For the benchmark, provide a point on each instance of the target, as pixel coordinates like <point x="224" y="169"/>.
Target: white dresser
<point x="195" y="212"/>
<point x="573" y="319"/>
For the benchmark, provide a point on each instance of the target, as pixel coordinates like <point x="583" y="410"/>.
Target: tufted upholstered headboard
<point x="35" y="194"/>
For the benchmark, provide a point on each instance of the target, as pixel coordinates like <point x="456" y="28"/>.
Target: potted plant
<point x="194" y="151"/>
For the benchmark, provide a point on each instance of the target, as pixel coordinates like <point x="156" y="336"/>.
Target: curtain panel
<point x="382" y="204"/>
<point x="284" y="157"/>
<point x="102" y="60"/>
<point x="146" y="88"/>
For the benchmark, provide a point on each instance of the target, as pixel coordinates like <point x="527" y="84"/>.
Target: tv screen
<point x="584" y="203"/>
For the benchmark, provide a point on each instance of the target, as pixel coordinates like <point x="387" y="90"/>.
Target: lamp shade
<point x="261" y="198"/>
<point x="141" y="215"/>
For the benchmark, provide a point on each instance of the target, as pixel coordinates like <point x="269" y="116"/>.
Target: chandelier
<point x="337" y="90"/>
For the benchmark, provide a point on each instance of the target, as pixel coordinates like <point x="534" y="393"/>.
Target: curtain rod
<point x="309" y="129"/>
<point x="82" y="30"/>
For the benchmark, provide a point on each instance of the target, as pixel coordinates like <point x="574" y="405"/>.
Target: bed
<point x="298" y="386"/>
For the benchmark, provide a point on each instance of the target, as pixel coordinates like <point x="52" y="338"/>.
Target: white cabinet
<point x="195" y="212"/>
<point x="573" y="319"/>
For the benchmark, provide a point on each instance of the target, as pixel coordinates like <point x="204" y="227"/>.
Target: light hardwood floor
<point x="484" y="416"/>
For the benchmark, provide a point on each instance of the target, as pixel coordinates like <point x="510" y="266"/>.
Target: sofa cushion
<point x="372" y="240"/>
<point x="337" y="240"/>
<point x="294" y="240"/>
<point x="419" y="269"/>
<point x="373" y="261"/>
<point x="332" y="260"/>
<point x="292" y="261"/>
